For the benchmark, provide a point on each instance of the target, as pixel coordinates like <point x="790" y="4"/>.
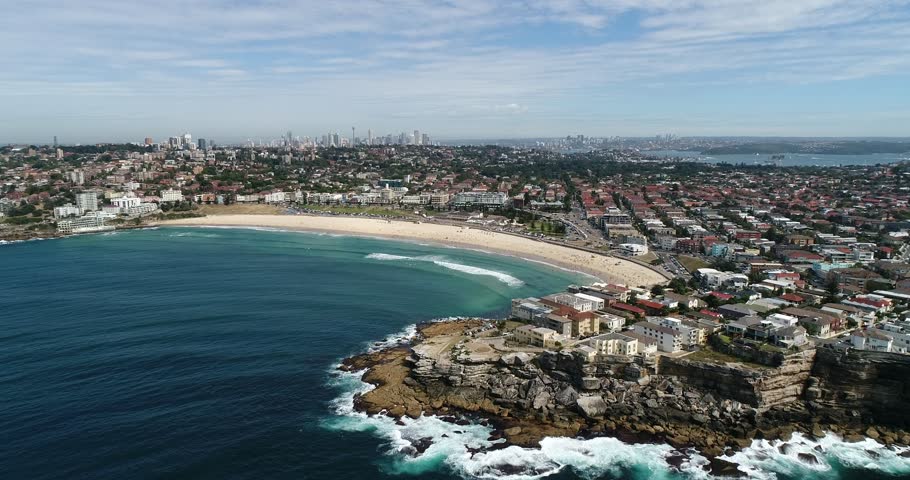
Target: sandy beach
<point x="607" y="268"/>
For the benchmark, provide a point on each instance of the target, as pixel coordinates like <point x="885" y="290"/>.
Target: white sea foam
<point x="395" y="339"/>
<point x="468" y="451"/>
<point x="445" y="263"/>
<point x="386" y="256"/>
<point x="767" y="459"/>
<point x="194" y="234"/>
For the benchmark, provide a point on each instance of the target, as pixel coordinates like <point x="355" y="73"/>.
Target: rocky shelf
<point x="529" y="395"/>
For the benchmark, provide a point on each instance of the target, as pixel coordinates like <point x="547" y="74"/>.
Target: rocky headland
<point x="462" y="368"/>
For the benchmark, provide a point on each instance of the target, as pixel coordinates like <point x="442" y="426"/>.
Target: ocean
<point x="210" y="353"/>
<point x="790" y="159"/>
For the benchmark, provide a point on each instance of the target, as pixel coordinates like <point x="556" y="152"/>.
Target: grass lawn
<point x="647" y="258"/>
<point x="692" y="263"/>
<point x="239" y="209"/>
<point x="355" y="210"/>
<point x="709" y="355"/>
<point x="546" y="228"/>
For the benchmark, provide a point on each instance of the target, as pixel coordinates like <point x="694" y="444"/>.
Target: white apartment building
<point x="890" y="337"/>
<point x="690" y="336"/>
<point x="668" y="340"/>
<point x="614" y="344"/>
<point x="537" y="336"/>
<point x="68" y="210"/>
<point x="633" y="249"/>
<point x="86" y="224"/>
<point x="171" y="195"/>
<point x="598" y="303"/>
<point x="611" y="323"/>
<point x="87" y="201"/>
<point x="439" y="199"/>
<point x="529" y="310"/>
<point x="578" y="303"/>
<point x="126" y="202"/>
<point x="481" y="199"/>
<point x="141" y="209"/>
<point x="415" y="199"/>
<point x="275" y="197"/>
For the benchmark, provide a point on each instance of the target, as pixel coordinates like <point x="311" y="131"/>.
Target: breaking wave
<point x="802" y="457"/>
<point x="430" y="444"/>
<point x="464" y="448"/>
<point x="194" y="234"/>
<point x="443" y="262"/>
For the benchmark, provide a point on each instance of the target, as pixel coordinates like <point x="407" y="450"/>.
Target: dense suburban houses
<point x="602" y="320"/>
<point x="778" y="256"/>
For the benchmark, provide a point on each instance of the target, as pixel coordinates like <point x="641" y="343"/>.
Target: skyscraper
<point x="202" y="144"/>
<point x="148" y="141"/>
<point x="369" y="136"/>
<point x="416" y="137"/>
<point x="352" y="136"/>
<point x="55" y="141"/>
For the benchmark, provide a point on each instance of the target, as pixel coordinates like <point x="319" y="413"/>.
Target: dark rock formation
<point x="712" y="407"/>
<point x="869" y="386"/>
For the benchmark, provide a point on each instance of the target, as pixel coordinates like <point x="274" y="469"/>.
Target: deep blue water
<point x="209" y="353"/>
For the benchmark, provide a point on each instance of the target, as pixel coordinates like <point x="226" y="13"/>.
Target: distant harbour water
<point x="790" y="159"/>
<point x="202" y="353"/>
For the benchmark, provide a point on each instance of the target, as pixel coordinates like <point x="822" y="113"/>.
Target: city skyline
<point x="119" y="71"/>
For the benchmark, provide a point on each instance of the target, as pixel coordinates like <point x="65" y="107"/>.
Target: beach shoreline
<point x="604" y="267"/>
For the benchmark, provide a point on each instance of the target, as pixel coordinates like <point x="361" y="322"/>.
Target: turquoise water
<point x="186" y="353"/>
<point x="790" y="159"/>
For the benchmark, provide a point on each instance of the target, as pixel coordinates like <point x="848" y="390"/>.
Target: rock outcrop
<point x="528" y="396"/>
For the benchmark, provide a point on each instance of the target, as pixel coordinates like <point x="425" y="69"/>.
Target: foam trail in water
<point x="445" y="263"/>
<point x="387" y="256"/>
<point x="194" y="234"/>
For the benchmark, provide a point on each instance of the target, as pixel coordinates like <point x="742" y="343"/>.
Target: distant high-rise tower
<point x="416" y="137"/>
<point x="148" y="141"/>
<point x="202" y="144"/>
<point x="369" y="136"/>
<point x="55" y="141"/>
<point x="352" y="136"/>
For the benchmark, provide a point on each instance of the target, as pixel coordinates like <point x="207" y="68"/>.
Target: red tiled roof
<point x="628" y="308"/>
<point x="721" y="295"/>
<point x="792" y="297"/>
<point x="650" y="304"/>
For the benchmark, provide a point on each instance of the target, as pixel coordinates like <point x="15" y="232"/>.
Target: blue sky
<point x="109" y="70"/>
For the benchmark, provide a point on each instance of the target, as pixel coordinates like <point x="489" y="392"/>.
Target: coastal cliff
<point x="861" y="386"/>
<point x="461" y="368"/>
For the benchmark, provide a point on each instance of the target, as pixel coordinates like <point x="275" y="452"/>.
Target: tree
<point x="832" y="288"/>
<point x="712" y="301"/>
<point x="678" y="285"/>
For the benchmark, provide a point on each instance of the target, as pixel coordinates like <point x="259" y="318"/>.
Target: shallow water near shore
<point x="210" y="353"/>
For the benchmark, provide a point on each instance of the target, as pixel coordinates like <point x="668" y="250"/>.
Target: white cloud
<point x="374" y="58"/>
